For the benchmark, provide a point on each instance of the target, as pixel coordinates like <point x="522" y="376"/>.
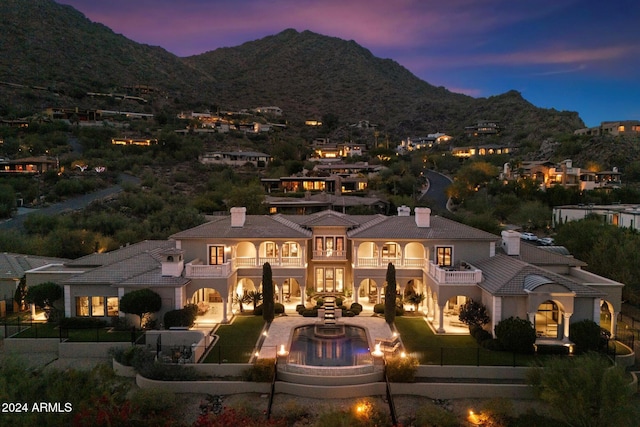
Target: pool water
<point x="322" y="345"/>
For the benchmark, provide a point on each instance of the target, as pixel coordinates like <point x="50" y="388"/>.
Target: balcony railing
<point x="458" y="275"/>
<point x="329" y="254"/>
<point x="252" y="262"/>
<point x="207" y="271"/>
<point x="397" y="262"/>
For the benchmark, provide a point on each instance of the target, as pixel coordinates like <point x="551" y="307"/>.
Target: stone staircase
<point x="329" y="311"/>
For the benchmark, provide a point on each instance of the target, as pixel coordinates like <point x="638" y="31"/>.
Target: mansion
<point x="330" y="253"/>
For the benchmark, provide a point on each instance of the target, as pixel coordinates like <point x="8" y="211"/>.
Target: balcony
<point x="252" y="262"/>
<point x="462" y="274"/>
<point x="329" y="255"/>
<point x="384" y="262"/>
<point x="202" y="271"/>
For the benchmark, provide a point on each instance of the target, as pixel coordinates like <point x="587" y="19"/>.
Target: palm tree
<point x="254" y="297"/>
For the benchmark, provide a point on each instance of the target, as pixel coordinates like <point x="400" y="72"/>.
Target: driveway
<point x="436" y="195"/>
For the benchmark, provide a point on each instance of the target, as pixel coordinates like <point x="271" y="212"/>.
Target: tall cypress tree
<point x="390" y="295"/>
<point x="268" y="303"/>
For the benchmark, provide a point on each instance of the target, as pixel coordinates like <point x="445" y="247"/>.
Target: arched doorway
<point x="209" y="302"/>
<point x="368" y="290"/>
<point x="547" y="320"/>
<point x="412" y="296"/>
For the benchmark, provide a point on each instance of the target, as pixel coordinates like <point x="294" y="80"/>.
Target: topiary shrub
<point x="278" y="308"/>
<point x="319" y="302"/>
<point x="587" y="336"/>
<point x="184" y="317"/>
<point x="378" y="308"/>
<point x="348" y="313"/>
<point x="311" y="312"/>
<point x="258" y="310"/>
<point x="401" y="369"/>
<point x="300" y="308"/>
<point x="339" y="301"/>
<point x="516" y="334"/>
<point x="356" y="308"/>
<point x="399" y="311"/>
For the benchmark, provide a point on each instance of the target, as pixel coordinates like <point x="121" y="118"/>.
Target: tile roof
<point x="125" y="252"/>
<point x="255" y="227"/>
<point x="129" y="267"/>
<point x="540" y="255"/>
<point x="504" y="275"/>
<point x="14" y="266"/>
<point x="404" y="227"/>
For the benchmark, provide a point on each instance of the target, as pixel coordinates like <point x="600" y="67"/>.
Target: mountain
<point x="53" y="46"/>
<point x="308" y="75"/>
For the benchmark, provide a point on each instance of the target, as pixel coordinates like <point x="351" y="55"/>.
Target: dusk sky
<point x="577" y="55"/>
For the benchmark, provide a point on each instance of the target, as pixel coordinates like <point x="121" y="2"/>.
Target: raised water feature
<point x="329" y="345"/>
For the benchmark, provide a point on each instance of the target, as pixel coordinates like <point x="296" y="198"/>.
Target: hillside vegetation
<point x="58" y="55"/>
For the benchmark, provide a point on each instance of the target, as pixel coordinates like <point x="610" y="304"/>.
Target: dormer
<point x="172" y="262"/>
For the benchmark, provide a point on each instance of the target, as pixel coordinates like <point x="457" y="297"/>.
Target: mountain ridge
<point x="308" y="75"/>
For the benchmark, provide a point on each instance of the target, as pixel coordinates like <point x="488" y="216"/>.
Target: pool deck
<point x="279" y="332"/>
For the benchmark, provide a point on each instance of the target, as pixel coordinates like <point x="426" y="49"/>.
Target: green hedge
<point x="184" y="317"/>
<point x="82" y="323"/>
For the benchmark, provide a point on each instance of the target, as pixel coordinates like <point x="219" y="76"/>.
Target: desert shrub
<point x="363" y="413"/>
<point x="82" y="323"/>
<point x="262" y="371"/>
<point x="430" y="415"/>
<point x="293" y="412"/>
<point x="587" y="336"/>
<point x="168" y="372"/>
<point x="152" y="402"/>
<point x="278" y="308"/>
<point x="402" y="369"/>
<point x="378" y="308"/>
<point x="136" y="356"/>
<point x="516" y="334"/>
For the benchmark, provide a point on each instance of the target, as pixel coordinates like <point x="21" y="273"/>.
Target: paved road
<point x="77" y="203"/>
<point x="436" y="196"/>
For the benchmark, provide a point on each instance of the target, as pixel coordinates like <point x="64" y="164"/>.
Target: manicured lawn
<point x="237" y="340"/>
<point x="48" y="330"/>
<point x="432" y="349"/>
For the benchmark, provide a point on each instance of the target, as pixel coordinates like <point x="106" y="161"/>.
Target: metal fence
<point x="42" y="329"/>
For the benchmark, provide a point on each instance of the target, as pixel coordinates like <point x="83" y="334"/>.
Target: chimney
<point x="238" y="216"/>
<point x="511" y="242"/>
<point x="172" y="262"/>
<point x="423" y="217"/>
<point x="404" y="211"/>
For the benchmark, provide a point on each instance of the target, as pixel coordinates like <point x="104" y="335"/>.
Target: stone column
<point x="441" y="319"/>
<point x="614" y="323"/>
<point x="567" y="318"/>
<point x="303" y="294"/>
<point x="225" y="302"/>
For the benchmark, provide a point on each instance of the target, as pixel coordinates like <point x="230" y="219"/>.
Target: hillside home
<point x="329" y="253"/>
<point x="28" y="165"/>
<point x="481" y="150"/>
<point x="421" y="143"/>
<point x="483" y="128"/>
<point x="620" y="215"/>
<point x="616" y="128"/>
<point x="234" y="158"/>
<point x="548" y="174"/>
<point x="134" y="141"/>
